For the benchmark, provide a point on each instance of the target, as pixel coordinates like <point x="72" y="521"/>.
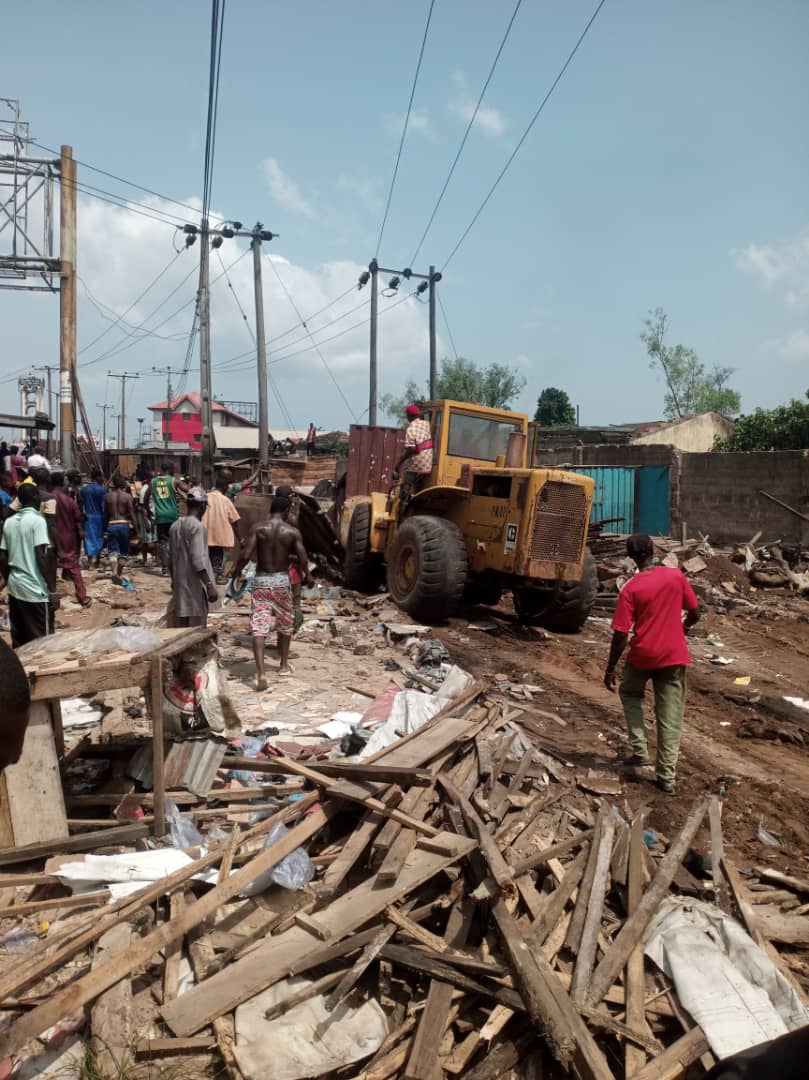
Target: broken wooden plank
<point x="159" y="1047"/>
<point x="548" y="1004"/>
<point x="336" y="770"/>
<point x="531" y="862"/>
<point x="88" y="987"/>
<point x="111" y="1018"/>
<point x="355" y="973"/>
<point x="352" y="852"/>
<point x="174" y="952"/>
<point x="306" y="993"/>
<point x="422" y="1061"/>
<point x="271" y="960"/>
<point x="414" y="931"/>
<point x="502" y="873"/>
<point x="200" y="954"/>
<point x="559" y="897"/>
<point x="118" y="834"/>
<point x="717" y="845"/>
<point x="676" y="1058"/>
<point x="586" y="955"/>
<point x="634" y="982"/>
<point x="585" y="888"/>
<point x="634" y="928"/>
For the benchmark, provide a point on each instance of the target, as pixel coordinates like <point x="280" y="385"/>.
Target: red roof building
<point x="182" y="417"/>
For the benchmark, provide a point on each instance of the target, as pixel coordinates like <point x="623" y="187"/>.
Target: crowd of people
<point x="54" y="520"/>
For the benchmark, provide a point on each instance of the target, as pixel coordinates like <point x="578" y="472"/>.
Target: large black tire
<point x="427" y="568"/>
<point x="565" y="609"/>
<point x="362" y="569"/>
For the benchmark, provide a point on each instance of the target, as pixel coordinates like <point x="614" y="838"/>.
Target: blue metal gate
<point x="653" y="500"/>
<point x="637" y="497"/>
<point x="613" y="497"/>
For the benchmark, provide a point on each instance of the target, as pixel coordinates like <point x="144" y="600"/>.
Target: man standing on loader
<point x="418" y="452"/>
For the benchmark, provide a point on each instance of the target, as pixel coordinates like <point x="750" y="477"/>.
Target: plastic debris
<point x="767" y="837"/>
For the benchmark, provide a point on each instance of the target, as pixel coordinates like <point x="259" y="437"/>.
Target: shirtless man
<point x="270" y="544"/>
<point x="119" y="516"/>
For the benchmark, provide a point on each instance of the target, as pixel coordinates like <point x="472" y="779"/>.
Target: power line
<point x="226" y="363"/>
<point x="404" y="128"/>
<point x="121" y="318"/>
<point x="123" y="180"/>
<point x="446" y="323"/>
<point x="469" y="126"/>
<point x="217" y="27"/>
<point x="315" y="345"/>
<point x="106" y="312"/>
<point x="525" y="134"/>
<point x="161" y="217"/>
<point x="252" y="337"/>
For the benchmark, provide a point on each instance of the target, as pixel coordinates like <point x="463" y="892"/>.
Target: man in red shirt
<point x="651" y="604"/>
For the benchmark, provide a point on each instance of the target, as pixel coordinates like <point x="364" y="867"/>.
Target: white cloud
<point x="796" y="346"/>
<point x="491" y="121"/>
<point x="419" y="122"/>
<point x="784" y="267"/>
<point x="368" y="190"/>
<point x="285" y="190"/>
<point x="121" y="253"/>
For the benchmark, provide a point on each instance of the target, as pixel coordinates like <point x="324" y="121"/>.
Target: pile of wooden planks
<point x="465" y="880"/>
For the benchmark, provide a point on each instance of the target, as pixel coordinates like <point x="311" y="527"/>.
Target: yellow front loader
<point x="482" y="522"/>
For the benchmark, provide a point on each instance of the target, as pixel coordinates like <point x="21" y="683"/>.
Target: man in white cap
<point x="193" y="586"/>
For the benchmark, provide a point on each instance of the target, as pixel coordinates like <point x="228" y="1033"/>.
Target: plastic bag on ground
<point x="411" y="710"/>
<point x="183" y="833"/>
<point x="292" y="872"/>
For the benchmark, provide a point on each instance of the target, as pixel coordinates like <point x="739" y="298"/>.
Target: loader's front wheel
<point x="427" y="568"/>
<point x="362" y="568"/>
<point x="564" y="609"/>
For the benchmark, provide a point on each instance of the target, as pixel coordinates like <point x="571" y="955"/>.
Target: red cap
<point x="413" y="410"/>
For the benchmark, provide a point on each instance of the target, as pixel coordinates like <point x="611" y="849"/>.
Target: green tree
<point x="783" y="428"/>
<point x="691" y="388"/>
<point x="554" y="408"/>
<point x="460" y="380"/>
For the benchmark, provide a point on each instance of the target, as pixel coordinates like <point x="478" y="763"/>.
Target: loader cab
<point x="467" y="437"/>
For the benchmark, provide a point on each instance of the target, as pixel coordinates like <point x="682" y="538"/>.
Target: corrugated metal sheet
<point x="614" y="495"/>
<point x="372" y="456"/>
<point x="190" y="763"/>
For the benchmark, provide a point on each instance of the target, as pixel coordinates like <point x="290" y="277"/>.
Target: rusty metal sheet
<point x="190" y="763"/>
<point x="372" y="456"/>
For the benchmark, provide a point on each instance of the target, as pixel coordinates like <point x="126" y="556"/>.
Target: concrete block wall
<point x="719" y="496"/>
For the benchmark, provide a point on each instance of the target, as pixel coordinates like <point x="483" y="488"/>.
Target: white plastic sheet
<point x="728" y="985"/>
<point x="306" y="1041"/>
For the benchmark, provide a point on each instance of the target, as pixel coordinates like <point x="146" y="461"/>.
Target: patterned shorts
<point x="272" y="607"/>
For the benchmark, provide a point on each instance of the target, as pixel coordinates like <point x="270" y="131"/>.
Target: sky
<point x="669" y="168"/>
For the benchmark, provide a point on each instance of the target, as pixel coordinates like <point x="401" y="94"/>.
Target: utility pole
<point x="48" y="368"/>
<point x="168" y="372"/>
<point x="426" y="281"/>
<point x="206" y="410"/>
<point x="433" y="361"/>
<point x="103" y="426"/>
<point x="261" y="359"/>
<point x="372" y="376"/>
<point x="67" y="305"/>
<point x="122" y="414"/>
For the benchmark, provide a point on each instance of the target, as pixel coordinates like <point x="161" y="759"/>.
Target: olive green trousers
<point x="669" y="704"/>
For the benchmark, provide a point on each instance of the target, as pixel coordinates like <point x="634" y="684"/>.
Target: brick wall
<point x="719" y="496"/>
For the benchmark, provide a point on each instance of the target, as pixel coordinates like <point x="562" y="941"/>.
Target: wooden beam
<point x="272" y="960"/>
<point x="111" y="1016"/>
<point x="634" y="928"/>
<point x="634" y="977"/>
<point x="87" y="988"/>
<point x="541" y="858"/>
<point x="549" y="918"/>
<point x="158" y="749"/>
<point x="585" y="959"/>
<point x="118" y="834"/>
<point x="676" y="1058"/>
<point x="385" y="774"/>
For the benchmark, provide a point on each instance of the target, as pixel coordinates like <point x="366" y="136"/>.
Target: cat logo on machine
<point x="510" y="545"/>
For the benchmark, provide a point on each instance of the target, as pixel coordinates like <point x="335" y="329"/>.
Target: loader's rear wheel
<point x="565" y="609"/>
<point x="427" y="568"/>
<point x="362" y="568"/>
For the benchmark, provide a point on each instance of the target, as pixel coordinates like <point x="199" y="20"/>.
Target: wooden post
<point x="158" y="782"/>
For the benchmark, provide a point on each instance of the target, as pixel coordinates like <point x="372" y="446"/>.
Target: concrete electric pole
<point x="103" y="425"/>
<point x="122" y="414"/>
<point x="67" y="305"/>
<point x="426" y="281"/>
<point x="206" y="410"/>
<point x="168" y="372"/>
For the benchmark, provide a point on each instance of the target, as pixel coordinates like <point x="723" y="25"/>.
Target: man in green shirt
<point x="28" y="564"/>
<point x="165" y="508"/>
